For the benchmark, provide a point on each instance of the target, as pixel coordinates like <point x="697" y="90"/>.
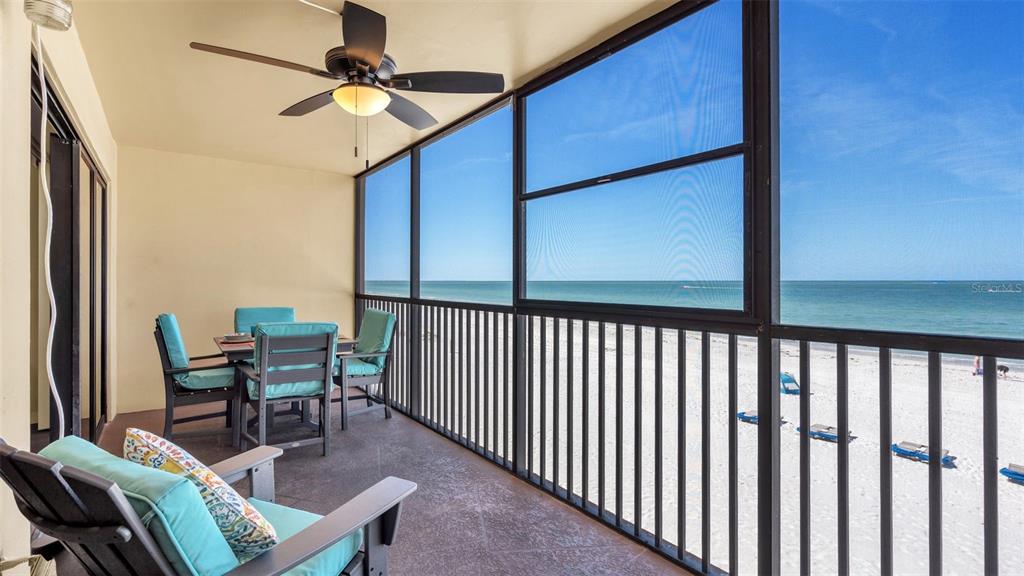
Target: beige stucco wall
<point x="15" y="261"/>
<point x="199" y="236"/>
<point x="66" y="63"/>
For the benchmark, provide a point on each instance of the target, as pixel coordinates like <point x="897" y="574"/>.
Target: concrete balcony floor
<point x="468" y="517"/>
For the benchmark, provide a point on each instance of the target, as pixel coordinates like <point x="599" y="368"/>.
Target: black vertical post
<point x="520" y="407"/>
<point x="843" y="459"/>
<point x="934" y="463"/>
<point x="65" y="162"/>
<point x="415" y="310"/>
<point x="681" y="443"/>
<point x="658" y="448"/>
<point x="638" y="427"/>
<point x="360" y="234"/>
<point x="733" y="459"/>
<point x="705" y="452"/>
<point x="990" y="467"/>
<point x="885" y="457"/>
<point x="761" y="129"/>
<point x="805" y="458"/>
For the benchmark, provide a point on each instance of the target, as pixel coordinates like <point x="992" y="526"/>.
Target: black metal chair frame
<point x="86" y="522"/>
<point x="277" y="351"/>
<point x="177" y="395"/>
<point x="363" y="383"/>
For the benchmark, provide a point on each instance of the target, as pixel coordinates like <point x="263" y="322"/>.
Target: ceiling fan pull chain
<point x="356" y="115"/>
<point x="367" y="130"/>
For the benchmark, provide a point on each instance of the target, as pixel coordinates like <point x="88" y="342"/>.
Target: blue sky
<point x="902" y="156"/>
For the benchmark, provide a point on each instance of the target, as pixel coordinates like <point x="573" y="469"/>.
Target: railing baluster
<point x="585" y="488"/>
<point x="555" y="397"/>
<point x="570" y="355"/>
<point x="487" y="379"/>
<point x="506" y="399"/>
<point x="446" y="401"/>
<point x="437" y="374"/>
<point x="705" y="450"/>
<point x="658" y="409"/>
<point x="495" y="384"/>
<point x="681" y="444"/>
<point x="638" y="427"/>
<point x="531" y="466"/>
<point x="885" y="456"/>
<point x="843" y="460"/>
<point x="805" y="458"/>
<point x="600" y="419"/>
<point x="543" y="398"/>
<point x="618" y="425"/>
<point x="990" y="469"/>
<point x="476" y="380"/>
<point x="733" y="460"/>
<point x="934" y="463"/>
<point x="460" y="407"/>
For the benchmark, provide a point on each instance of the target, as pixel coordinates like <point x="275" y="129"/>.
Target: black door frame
<point x="66" y="150"/>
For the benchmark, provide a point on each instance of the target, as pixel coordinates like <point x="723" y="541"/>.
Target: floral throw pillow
<point x="246" y="530"/>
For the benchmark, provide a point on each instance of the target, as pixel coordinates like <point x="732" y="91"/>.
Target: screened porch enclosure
<point x="674" y="401"/>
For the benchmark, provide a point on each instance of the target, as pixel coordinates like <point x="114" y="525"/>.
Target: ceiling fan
<point x="368" y="76"/>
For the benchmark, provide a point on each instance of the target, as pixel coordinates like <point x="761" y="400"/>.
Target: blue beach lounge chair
<point x="919" y="452"/>
<point x="826" y="433"/>
<point x="1014" y="472"/>
<point x="788" y="384"/>
<point x="750" y="417"/>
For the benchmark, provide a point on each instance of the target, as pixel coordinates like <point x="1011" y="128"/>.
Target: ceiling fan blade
<point x="365" y="33"/>
<point x="409" y="112"/>
<point x="449" y="82"/>
<point x="319" y="7"/>
<point x="261" y="59"/>
<point x="309" y="104"/>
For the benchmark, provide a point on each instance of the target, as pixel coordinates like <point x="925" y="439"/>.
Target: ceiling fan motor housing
<point x="337" y="62"/>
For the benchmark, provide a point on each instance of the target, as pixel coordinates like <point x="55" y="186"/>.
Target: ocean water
<point x="978" y="308"/>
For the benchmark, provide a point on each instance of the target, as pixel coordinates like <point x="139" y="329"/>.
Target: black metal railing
<point x="638" y="425"/>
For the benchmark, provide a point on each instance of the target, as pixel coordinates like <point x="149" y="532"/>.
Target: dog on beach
<point x="1003" y="370"/>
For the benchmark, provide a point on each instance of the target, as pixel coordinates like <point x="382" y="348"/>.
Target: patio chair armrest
<point x="257" y="465"/>
<point x="206" y="356"/>
<point x="349" y="356"/>
<point x="199" y="366"/>
<point x="380" y="502"/>
<point x="249" y="371"/>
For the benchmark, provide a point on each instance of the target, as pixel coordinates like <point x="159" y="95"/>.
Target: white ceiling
<point x="158" y="93"/>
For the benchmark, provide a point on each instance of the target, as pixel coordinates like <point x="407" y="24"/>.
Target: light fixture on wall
<point x="361" y="99"/>
<point x="52" y="14"/>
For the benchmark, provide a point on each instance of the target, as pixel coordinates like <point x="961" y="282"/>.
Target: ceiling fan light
<point x="361" y="99"/>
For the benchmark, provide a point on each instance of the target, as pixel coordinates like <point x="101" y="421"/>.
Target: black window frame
<point x="746" y="318"/>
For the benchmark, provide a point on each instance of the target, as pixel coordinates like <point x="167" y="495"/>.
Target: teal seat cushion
<point x="357" y="367"/>
<point x="173" y="341"/>
<point x="273" y="330"/>
<point x="288" y="522"/>
<point x="169" y="505"/>
<point x="286" y="390"/>
<point x="375" y="333"/>
<point x="208" y="379"/>
<point x="246" y="319"/>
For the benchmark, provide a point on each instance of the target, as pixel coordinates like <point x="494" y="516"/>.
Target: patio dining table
<point x="239" y="351"/>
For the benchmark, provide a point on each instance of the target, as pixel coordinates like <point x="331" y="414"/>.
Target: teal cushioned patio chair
<point x="97" y="514"/>
<point x="246" y="319"/>
<point x="195" y="380"/>
<point x="365" y="369"/>
<point x="292" y="362"/>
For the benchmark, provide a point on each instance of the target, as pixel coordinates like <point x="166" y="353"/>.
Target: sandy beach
<point x="962" y="436"/>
